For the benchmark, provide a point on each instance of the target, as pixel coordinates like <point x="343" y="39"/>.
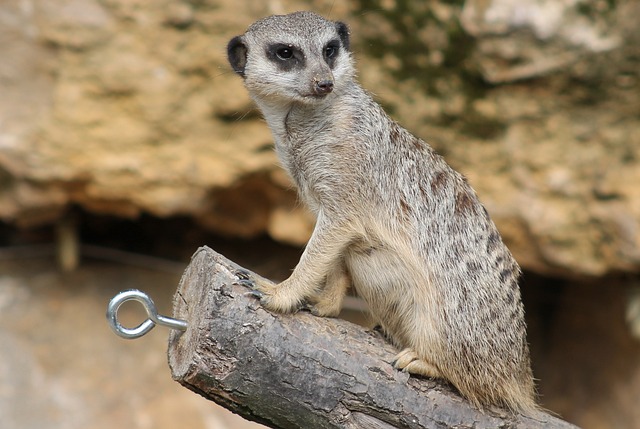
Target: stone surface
<point x="126" y="107"/>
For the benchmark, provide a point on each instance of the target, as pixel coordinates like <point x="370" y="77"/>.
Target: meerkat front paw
<point x="323" y="305"/>
<point x="260" y="287"/>
<point x="325" y="309"/>
<point x="326" y="301"/>
<point x="274" y="297"/>
<point x="409" y="361"/>
<point x="255" y="283"/>
<point x="282" y="298"/>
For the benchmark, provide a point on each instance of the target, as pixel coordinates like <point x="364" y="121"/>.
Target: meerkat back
<point x="394" y="221"/>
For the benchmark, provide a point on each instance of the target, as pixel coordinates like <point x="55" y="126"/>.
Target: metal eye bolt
<point x="153" y="320"/>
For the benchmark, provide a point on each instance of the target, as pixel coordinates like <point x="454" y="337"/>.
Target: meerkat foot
<point x="325" y="308"/>
<point x="257" y="285"/>
<point x="271" y="296"/>
<point x="327" y="301"/>
<point x="279" y="298"/>
<point x="408" y="361"/>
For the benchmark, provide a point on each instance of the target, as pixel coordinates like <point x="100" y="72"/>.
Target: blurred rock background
<point x="121" y="126"/>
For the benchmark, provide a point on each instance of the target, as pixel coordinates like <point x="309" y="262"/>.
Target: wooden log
<point x="302" y="371"/>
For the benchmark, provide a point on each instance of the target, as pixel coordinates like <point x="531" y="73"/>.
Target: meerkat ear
<point x="343" y="32"/>
<point x="237" y="55"/>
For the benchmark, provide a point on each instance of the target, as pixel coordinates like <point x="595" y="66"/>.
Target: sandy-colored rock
<point x="542" y="148"/>
<point x="126" y="107"/>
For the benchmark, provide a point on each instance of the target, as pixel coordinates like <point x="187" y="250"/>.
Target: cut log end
<point x="302" y="371"/>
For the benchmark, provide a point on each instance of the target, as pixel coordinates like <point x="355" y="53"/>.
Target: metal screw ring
<point x="153" y="320"/>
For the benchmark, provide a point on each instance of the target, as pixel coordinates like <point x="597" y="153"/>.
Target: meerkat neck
<point x="286" y="120"/>
<point x="284" y="117"/>
<point x="275" y="113"/>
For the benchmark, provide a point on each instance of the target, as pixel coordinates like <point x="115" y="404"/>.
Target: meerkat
<point x="393" y="219"/>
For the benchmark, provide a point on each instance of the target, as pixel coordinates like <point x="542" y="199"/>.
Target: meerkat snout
<point x="323" y="86"/>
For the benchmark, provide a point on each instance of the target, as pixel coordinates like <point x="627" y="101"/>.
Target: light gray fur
<point x="393" y="220"/>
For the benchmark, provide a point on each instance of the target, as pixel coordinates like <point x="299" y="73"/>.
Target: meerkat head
<point x="297" y="57"/>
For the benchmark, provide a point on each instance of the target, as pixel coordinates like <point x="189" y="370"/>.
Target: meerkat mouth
<point x="310" y="96"/>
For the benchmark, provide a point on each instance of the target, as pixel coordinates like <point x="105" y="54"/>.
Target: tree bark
<point x="302" y="371"/>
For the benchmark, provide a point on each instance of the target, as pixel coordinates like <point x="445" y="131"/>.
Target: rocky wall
<point x="125" y="107"/>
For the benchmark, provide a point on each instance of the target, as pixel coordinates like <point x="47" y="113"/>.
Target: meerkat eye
<point x="330" y="51"/>
<point x="284" y="53"/>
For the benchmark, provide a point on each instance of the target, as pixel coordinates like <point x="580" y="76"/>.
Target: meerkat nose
<point x="323" y="87"/>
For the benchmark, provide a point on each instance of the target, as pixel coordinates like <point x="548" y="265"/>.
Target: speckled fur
<point x="393" y="220"/>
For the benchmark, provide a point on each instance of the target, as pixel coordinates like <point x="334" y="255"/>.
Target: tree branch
<point x="302" y="371"/>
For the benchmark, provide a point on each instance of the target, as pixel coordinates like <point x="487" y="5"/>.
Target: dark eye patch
<point x="286" y="56"/>
<point x="330" y="52"/>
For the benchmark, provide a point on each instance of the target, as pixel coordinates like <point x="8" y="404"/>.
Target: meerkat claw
<point x="243" y="274"/>
<point x="313" y="310"/>
<point x="256" y="293"/>
<point x="246" y="283"/>
<point x="305" y="306"/>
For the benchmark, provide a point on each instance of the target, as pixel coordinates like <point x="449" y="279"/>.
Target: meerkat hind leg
<point x="408" y="361"/>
